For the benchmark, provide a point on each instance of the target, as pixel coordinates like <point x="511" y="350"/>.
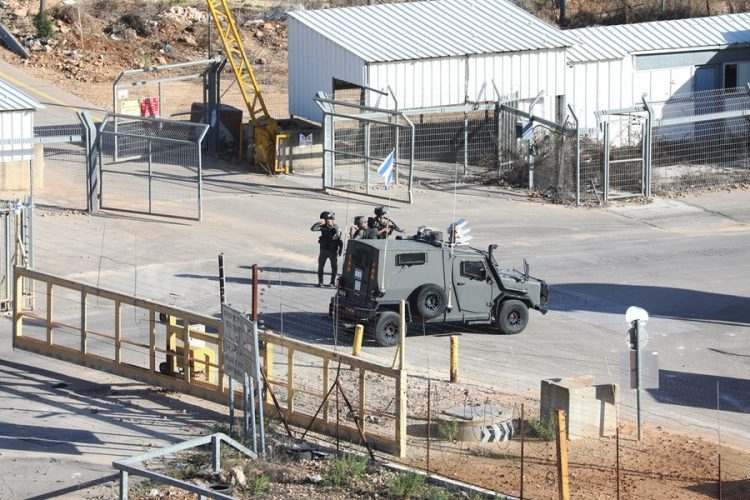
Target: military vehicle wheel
<point x="512" y="317"/>
<point x="384" y="327"/>
<point x="430" y="301"/>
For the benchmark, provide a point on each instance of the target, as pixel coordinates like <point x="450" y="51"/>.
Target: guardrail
<point x="146" y="340"/>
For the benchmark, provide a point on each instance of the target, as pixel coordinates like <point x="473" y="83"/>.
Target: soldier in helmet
<point x="359" y="230"/>
<point x="331" y="245"/>
<point x="381" y="225"/>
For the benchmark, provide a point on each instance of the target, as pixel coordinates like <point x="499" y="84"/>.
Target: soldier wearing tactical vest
<point x="331" y="245"/>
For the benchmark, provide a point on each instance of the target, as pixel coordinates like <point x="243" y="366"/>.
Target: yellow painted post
<point x="50" y="337"/>
<point x="325" y="388"/>
<point x="17" y="305"/>
<point x="268" y="366"/>
<point x="454" y="358"/>
<point x="402" y="334"/>
<point x="118" y="331"/>
<point x="289" y="380"/>
<point x="186" y="350"/>
<point x="84" y="328"/>
<point x="152" y="341"/>
<point x="562" y="456"/>
<point x="401" y="413"/>
<point x="359" y="332"/>
<point x="362" y="398"/>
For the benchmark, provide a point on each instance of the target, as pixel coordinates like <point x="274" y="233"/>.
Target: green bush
<point x="542" y="428"/>
<point x="406" y="485"/>
<point x="345" y="470"/>
<point x="43" y="25"/>
<point x="447" y="429"/>
<point x="257" y="485"/>
<point x="435" y="493"/>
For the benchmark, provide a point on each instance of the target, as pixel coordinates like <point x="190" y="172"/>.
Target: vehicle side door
<point x="473" y="286"/>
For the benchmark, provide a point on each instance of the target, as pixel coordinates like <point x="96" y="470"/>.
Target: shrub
<point x="447" y="429"/>
<point x="405" y="485"/>
<point x="43" y="25"/>
<point x="345" y="470"/>
<point x="543" y="428"/>
<point x="258" y="485"/>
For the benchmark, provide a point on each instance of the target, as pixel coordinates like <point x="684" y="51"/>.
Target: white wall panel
<point x="16" y="126"/>
<point x="314" y="62"/>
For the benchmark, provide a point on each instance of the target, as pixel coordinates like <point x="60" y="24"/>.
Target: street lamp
<point x="637" y="317"/>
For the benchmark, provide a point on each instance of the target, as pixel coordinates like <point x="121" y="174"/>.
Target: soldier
<point x="381" y="225"/>
<point x="331" y="245"/>
<point x="360" y="231"/>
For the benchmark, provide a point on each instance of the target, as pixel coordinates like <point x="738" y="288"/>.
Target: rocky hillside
<point x="92" y="41"/>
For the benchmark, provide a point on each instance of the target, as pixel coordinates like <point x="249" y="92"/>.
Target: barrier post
<point x="359" y="331"/>
<point x="454" y="359"/>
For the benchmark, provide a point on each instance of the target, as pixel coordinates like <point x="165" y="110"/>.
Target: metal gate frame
<point x="642" y="111"/>
<point x="159" y="124"/>
<point x="367" y="115"/>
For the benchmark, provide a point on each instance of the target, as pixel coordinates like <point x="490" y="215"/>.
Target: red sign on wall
<point x="150" y="107"/>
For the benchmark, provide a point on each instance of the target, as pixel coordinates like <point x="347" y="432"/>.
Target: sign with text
<point x="130" y="107"/>
<point x="240" y="344"/>
<point x="150" y="107"/>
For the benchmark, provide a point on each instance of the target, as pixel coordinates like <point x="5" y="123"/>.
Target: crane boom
<point x="265" y="126"/>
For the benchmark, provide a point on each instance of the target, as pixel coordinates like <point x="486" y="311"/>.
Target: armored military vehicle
<point x="441" y="282"/>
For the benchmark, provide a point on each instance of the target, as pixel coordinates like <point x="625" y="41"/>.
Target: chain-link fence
<point x="151" y="166"/>
<point x="702" y="140"/>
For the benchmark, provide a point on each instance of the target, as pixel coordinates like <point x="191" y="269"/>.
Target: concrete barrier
<point x="590" y="409"/>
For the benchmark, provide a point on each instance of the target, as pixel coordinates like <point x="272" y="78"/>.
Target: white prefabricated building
<point x="16" y="123"/>
<point x="612" y="67"/>
<point x="430" y="54"/>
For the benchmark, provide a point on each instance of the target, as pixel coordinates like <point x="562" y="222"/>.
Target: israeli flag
<point x="386" y="168"/>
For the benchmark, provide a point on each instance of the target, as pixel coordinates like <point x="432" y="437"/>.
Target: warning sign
<point x="150" y="107"/>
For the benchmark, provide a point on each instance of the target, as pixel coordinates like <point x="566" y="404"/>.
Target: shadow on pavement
<point x="703" y="391"/>
<point x="666" y="302"/>
<point x="159" y="417"/>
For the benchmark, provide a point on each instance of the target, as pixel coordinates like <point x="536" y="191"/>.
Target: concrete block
<point x="590" y="409"/>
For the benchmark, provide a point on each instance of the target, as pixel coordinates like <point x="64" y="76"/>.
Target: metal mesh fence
<point x="702" y="140"/>
<point x="55" y="173"/>
<point x="151" y="166"/>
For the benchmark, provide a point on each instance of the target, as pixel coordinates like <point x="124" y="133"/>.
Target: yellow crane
<point x="266" y="128"/>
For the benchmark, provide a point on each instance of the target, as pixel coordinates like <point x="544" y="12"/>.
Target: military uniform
<point x="331" y="246"/>
<point x="381" y="226"/>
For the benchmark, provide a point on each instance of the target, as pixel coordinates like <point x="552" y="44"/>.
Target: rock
<point x="161" y="60"/>
<point x="261" y="61"/>
<point x="315" y="479"/>
<point x="153" y="493"/>
<point x="189" y="40"/>
<point x="258" y="34"/>
<point x="238" y="475"/>
<point x="269" y="27"/>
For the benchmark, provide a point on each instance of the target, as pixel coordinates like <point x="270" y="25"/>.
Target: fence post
<point x="401" y="413"/>
<point x="454" y="359"/>
<point x="268" y="367"/>
<point x="562" y="456"/>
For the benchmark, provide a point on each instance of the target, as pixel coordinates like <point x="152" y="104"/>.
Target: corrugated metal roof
<point x="12" y="99"/>
<point x="615" y="42"/>
<point x="438" y="28"/>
